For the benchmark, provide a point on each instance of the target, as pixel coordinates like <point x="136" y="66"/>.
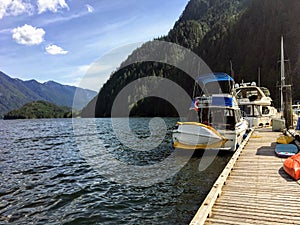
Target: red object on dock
<point x="292" y="166"/>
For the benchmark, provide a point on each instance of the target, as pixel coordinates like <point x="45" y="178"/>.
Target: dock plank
<point x="257" y="191"/>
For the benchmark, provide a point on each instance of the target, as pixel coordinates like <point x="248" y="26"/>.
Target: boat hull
<point x="191" y="135"/>
<point x="199" y="136"/>
<point x="234" y="137"/>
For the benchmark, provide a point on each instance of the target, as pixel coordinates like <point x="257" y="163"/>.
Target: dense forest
<point x="39" y="110"/>
<point x="244" y="32"/>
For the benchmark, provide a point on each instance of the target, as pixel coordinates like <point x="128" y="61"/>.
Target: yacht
<point x="256" y="104"/>
<point x="215" y="120"/>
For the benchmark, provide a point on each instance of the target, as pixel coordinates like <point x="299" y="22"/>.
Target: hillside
<point x="39" y="110"/>
<point x="14" y="93"/>
<point x="254" y="41"/>
<point x="245" y="32"/>
<point x="186" y="32"/>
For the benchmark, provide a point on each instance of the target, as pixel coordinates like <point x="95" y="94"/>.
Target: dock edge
<point x="205" y="209"/>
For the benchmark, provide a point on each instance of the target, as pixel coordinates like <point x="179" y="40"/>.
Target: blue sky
<point x="60" y="39"/>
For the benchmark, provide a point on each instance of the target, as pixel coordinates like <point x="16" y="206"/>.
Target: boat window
<point x="266" y="91"/>
<point x="204" y="116"/>
<point x="217" y="116"/>
<point x="250" y="110"/>
<point x="242" y="93"/>
<point x="246" y="109"/>
<point x="256" y="111"/>
<point x="253" y="98"/>
<point x="229" y="112"/>
<point x="265" y="110"/>
<point x="250" y="93"/>
<point x="230" y="122"/>
<point x="237" y="116"/>
<point x="221" y="118"/>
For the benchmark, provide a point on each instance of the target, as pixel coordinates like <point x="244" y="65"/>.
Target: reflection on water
<point x="46" y="180"/>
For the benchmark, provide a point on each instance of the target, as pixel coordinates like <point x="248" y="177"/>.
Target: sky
<point x="61" y="40"/>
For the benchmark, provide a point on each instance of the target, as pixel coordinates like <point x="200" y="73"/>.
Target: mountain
<point x="254" y="41"/>
<point x="244" y="32"/>
<point x="14" y="93"/>
<point x="38" y="110"/>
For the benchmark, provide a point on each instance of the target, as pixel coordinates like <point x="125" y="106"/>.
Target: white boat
<point x="215" y="120"/>
<point x="256" y="104"/>
<point x="296" y="109"/>
<point x="196" y="135"/>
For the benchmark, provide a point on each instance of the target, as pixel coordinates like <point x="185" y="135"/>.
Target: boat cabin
<point x="219" y="118"/>
<point x="217" y="111"/>
<point x="249" y="93"/>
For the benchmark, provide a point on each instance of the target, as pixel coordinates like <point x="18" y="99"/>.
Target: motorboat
<point x="256" y="104"/>
<point x="198" y="135"/>
<point x="215" y="120"/>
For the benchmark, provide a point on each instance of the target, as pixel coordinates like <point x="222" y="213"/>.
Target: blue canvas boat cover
<point x="214" y="77"/>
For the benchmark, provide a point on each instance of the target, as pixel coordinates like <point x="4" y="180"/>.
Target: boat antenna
<point x="229" y="84"/>
<point x="282" y="73"/>
<point x="194" y="91"/>
<point x="231" y="69"/>
<point x="258" y="79"/>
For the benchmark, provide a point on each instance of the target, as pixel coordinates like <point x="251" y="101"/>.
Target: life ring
<point x="196" y="105"/>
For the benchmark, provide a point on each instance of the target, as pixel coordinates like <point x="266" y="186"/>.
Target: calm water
<point x="45" y="178"/>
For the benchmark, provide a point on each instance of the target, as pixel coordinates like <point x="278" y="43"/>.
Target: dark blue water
<point x="46" y="179"/>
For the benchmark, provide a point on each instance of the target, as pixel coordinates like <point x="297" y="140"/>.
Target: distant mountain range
<point x="246" y="33"/>
<point x="14" y="93"/>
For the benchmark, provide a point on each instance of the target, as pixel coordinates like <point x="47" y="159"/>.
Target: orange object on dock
<point x="292" y="166"/>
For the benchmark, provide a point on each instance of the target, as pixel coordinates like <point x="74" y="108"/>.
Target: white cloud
<point x="55" y="50"/>
<point x="51" y="5"/>
<point x="28" y="35"/>
<point x="89" y="8"/>
<point x="14" y="8"/>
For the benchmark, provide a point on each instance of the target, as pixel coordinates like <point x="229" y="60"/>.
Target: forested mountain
<point x="245" y="32"/>
<point x="39" y="110"/>
<point x="254" y="41"/>
<point x="14" y="93"/>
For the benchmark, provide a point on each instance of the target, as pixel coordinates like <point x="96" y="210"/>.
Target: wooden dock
<point x="253" y="188"/>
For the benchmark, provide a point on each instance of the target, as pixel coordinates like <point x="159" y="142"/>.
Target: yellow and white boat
<point x="193" y="135"/>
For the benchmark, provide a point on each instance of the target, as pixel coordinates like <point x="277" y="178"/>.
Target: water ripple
<point x="45" y="179"/>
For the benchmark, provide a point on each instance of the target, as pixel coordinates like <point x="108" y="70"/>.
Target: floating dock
<point x="253" y="188"/>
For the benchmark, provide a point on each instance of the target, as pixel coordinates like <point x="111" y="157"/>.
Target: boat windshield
<point x="220" y="118"/>
<point x="251" y="93"/>
<point x="218" y="88"/>
<point x="250" y="110"/>
<point x="215" y="83"/>
<point x="266" y="91"/>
